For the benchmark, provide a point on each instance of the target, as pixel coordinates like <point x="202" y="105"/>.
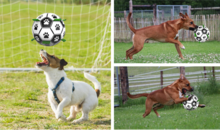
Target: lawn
<point x="195" y="52"/>
<point x="177" y="118"/>
<point x="88" y="33"/>
<point x="24" y="104"/>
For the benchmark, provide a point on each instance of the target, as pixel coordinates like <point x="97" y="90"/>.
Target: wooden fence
<point x="122" y="32"/>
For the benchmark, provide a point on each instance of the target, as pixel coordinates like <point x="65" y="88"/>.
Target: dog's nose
<point x="41" y="50"/>
<point x="196" y="26"/>
<point x="191" y="89"/>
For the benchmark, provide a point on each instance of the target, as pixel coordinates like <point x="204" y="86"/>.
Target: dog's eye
<point x="52" y="57"/>
<point x="187" y="84"/>
<point x="191" y="22"/>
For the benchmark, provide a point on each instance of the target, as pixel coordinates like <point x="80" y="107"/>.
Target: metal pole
<point x="213" y="71"/>
<point x="161" y="79"/>
<point x="119" y="94"/>
<point x="205" y="72"/>
<point x="131" y="11"/>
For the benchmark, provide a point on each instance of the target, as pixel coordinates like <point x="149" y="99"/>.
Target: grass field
<point x="24" y="104"/>
<point x="87" y="29"/>
<point x="195" y="52"/>
<point x="177" y="118"/>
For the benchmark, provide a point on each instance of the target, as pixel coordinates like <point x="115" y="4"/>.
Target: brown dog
<point x="172" y="94"/>
<point x="165" y="32"/>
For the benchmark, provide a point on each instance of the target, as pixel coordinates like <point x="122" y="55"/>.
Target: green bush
<point x="210" y="87"/>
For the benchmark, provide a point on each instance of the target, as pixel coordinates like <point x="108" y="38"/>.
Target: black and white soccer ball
<point x="48" y="29"/>
<point x="201" y="34"/>
<point x="191" y="104"/>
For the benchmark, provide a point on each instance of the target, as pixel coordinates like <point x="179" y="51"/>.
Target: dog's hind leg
<point x="128" y="51"/>
<point x="158" y="106"/>
<point x="88" y="105"/>
<point x="148" y="105"/>
<point x="73" y="111"/>
<point x="59" y="112"/>
<point x="138" y="45"/>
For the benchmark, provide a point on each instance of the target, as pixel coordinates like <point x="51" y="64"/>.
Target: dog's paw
<point x="76" y="121"/>
<point x="202" y="105"/>
<point x="70" y="118"/>
<point x="62" y="118"/>
<point x="183" y="47"/>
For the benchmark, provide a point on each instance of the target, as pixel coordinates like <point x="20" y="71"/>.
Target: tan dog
<point x="165" y="32"/>
<point x="172" y="94"/>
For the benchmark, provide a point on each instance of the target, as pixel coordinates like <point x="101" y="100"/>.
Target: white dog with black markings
<point x="63" y="92"/>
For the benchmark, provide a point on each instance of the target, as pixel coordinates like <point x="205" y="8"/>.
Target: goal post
<point x="88" y="34"/>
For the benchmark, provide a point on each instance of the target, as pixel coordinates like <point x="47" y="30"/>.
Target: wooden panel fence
<point x="122" y="32"/>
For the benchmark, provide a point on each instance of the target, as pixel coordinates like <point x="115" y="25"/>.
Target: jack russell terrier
<point x="63" y="92"/>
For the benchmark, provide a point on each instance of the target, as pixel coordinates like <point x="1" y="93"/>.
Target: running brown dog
<point x="172" y="94"/>
<point x="165" y="32"/>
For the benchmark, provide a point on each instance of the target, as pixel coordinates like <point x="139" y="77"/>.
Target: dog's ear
<point x="186" y="14"/>
<point x="182" y="77"/>
<point x="62" y="63"/>
<point x="183" y="17"/>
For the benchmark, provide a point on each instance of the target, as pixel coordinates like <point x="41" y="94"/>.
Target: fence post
<point x="154" y="11"/>
<point x="172" y="15"/>
<point x="204" y="72"/>
<point x="124" y="83"/>
<point x="182" y="70"/>
<point x="161" y="78"/>
<point x="118" y="84"/>
<point x="213" y="71"/>
<point x="131" y="11"/>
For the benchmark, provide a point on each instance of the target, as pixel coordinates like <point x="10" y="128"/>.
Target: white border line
<point x="112" y="65"/>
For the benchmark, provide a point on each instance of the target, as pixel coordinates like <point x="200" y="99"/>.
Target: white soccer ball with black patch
<point x="191" y="104"/>
<point x="201" y="34"/>
<point x="48" y="29"/>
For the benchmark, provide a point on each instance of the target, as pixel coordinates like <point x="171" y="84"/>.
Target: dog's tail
<point x="129" y="24"/>
<point x="95" y="82"/>
<point x="137" y="95"/>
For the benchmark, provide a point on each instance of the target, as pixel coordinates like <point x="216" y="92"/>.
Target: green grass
<point x="85" y="29"/>
<point x="195" y="52"/>
<point x="24" y="104"/>
<point x="177" y="118"/>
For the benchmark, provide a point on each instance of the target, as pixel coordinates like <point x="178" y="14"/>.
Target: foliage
<point x="210" y="87"/>
<point x="121" y="5"/>
<point x="195" y="52"/>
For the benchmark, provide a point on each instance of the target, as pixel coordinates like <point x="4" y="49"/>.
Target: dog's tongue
<point x="41" y="63"/>
<point x="184" y="90"/>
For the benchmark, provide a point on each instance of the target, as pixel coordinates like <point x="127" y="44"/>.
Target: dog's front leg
<point x="177" y="45"/>
<point x="178" y="49"/>
<point x="59" y="112"/>
<point x="179" y="100"/>
<point x="53" y="106"/>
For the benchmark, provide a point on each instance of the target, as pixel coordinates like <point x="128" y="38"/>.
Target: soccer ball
<point x="191" y="104"/>
<point x="48" y="29"/>
<point x="202" y="34"/>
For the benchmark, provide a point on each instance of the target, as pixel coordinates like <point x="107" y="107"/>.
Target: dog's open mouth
<point x="45" y="61"/>
<point x="184" y="91"/>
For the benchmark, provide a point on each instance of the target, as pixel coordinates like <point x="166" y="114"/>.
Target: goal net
<point x="88" y="33"/>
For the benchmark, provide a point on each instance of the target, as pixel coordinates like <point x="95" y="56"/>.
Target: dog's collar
<point x="57" y="85"/>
